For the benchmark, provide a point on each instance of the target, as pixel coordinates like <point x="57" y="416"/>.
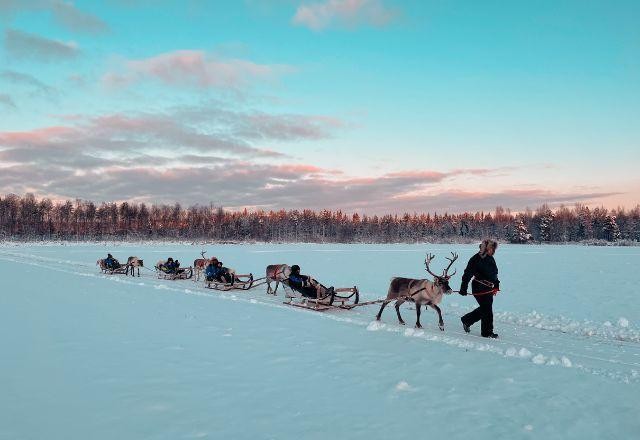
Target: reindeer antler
<point x="427" y="261"/>
<point x="202" y="253"/>
<point x="453" y="258"/>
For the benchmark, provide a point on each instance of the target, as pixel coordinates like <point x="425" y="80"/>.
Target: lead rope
<point x="493" y="290"/>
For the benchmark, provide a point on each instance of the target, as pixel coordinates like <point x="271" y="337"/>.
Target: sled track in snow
<point x="583" y="348"/>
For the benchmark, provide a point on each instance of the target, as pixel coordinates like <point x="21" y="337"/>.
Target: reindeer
<point x="421" y="292"/>
<point x="103" y="266"/>
<point x="132" y="263"/>
<point x="199" y="264"/>
<point x="278" y="273"/>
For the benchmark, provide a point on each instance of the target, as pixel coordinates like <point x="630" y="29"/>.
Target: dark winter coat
<point x="297" y="281"/>
<point x="212" y="272"/>
<point x="480" y="268"/>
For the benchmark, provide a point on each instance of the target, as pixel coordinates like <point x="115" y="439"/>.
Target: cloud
<point x="194" y="68"/>
<point x="463" y="200"/>
<point x="7" y="101"/>
<point x="64" y="13"/>
<point x="178" y="136"/>
<point x="27" y="80"/>
<point x="74" y="19"/>
<point x="236" y="184"/>
<point x="25" y="45"/>
<point x="211" y="153"/>
<point x="343" y="13"/>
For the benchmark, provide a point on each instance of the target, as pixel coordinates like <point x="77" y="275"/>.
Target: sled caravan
<point x="300" y="290"/>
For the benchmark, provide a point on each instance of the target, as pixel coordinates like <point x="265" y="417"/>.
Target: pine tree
<point x="610" y="229"/>
<point x="546" y="221"/>
<point x="520" y="233"/>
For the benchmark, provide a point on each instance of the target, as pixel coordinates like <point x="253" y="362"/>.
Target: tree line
<point x="30" y="218"/>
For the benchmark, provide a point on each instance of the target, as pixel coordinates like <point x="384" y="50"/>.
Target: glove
<point x="496" y="285"/>
<point x="463" y="292"/>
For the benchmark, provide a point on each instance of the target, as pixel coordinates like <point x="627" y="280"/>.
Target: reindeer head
<point x="442" y="281"/>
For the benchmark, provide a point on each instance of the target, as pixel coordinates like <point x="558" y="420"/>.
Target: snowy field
<point x="91" y="356"/>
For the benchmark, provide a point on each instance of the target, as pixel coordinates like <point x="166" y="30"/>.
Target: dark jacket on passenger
<point x="297" y="281"/>
<point x="480" y="268"/>
<point x="212" y="271"/>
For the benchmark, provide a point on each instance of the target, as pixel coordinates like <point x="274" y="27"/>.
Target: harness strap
<point x="493" y="292"/>
<point x="484" y="282"/>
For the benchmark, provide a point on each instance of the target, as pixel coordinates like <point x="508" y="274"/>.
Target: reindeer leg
<point x="418" y="307"/>
<point x="398" y="304"/>
<point x="384" y="304"/>
<point x="440" y="320"/>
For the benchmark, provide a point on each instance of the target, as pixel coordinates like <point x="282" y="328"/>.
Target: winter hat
<point x="487" y="244"/>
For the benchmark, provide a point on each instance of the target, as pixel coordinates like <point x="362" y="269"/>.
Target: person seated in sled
<point x="111" y="263"/>
<point x="211" y="271"/>
<point x="215" y="271"/>
<point x="171" y="266"/>
<point x="304" y="284"/>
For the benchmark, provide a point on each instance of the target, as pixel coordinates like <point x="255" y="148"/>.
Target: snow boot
<point x="466" y="328"/>
<point x="492" y="335"/>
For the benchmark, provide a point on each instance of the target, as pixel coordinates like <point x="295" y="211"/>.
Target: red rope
<point x="492" y="291"/>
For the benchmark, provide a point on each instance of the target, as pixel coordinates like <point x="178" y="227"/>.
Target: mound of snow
<point x="403" y="386"/>
<point x="524" y="353"/>
<point x="539" y="359"/>
<point x="415" y="332"/>
<point x="375" y="326"/>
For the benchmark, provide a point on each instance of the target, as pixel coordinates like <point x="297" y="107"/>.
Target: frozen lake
<point x="86" y="355"/>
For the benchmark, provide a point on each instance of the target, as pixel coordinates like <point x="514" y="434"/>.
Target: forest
<point x="29" y="218"/>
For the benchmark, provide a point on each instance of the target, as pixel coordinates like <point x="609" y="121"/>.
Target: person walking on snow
<point x="484" y="271"/>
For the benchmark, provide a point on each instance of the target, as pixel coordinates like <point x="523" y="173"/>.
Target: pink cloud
<point x="196" y="69"/>
<point x="33" y="137"/>
<point x="349" y="13"/>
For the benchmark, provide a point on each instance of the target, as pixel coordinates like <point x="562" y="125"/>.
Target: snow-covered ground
<point x="86" y="355"/>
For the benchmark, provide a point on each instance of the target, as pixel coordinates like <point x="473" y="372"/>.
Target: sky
<point x="372" y="106"/>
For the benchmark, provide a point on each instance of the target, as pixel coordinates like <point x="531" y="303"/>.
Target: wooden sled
<point x="182" y="274"/>
<point x="123" y="269"/>
<point x="241" y="282"/>
<point x="344" y="298"/>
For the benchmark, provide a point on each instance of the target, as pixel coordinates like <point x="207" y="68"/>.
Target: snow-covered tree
<point x="585" y="223"/>
<point x="610" y="229"/>
<point x="546" y="221"/>
<point x="520" y="232"/>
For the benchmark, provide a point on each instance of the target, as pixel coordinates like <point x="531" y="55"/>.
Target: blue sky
<point x="363" y="105"/>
